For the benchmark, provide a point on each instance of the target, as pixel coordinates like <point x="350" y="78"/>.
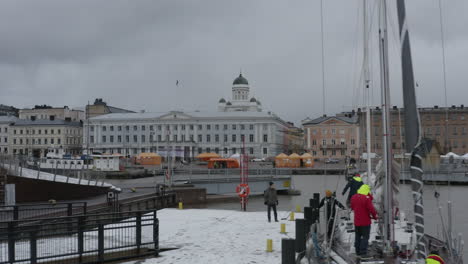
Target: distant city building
<point x="447" y="126"/>
<point x="6" y="110"/>
<point x="295" y="139"/>
<point x="240" y="101"/>
<point x="333" y="136"/>
<point x="5" y="123"/>
<point x="46" y="112"/>
<point x="38" y="137"/>
<point x="187" y="134"/>
<point x="99" y="107"/>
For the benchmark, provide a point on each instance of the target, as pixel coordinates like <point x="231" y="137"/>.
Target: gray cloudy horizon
<point x="130" y="53"/>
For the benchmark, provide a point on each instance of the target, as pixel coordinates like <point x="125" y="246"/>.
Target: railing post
<point x="138" y="231"/>
<point x="15" y="212"/>
<point x="85" y="207"/>
<point x="100" y="243"/>
<point x="33" y="246"/>
<point x="11" y="242"/>
<point x="156" y="234"/>
<point x="81" y="221"/>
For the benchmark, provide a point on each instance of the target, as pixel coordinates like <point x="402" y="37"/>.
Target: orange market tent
<point x="294" y="161"/>
<point x="207" y="156"/>
<point x="219" y="163"/>
<point x="281" y="161"/>
<point x="307" y="160"/>
<point x="146" y="158"/>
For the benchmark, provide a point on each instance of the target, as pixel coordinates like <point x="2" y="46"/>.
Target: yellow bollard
<point x="283" y="228"/>
<point x="269" y="245"/>
<point x="181" y="206"/>
<point x="298" y="209"/>
<point x="291" y="216"/>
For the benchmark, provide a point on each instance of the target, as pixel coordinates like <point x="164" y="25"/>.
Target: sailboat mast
<point x="367" y="82"/>
<point x="387" y="152"/>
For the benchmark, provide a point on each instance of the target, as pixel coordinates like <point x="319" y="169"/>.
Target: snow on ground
<point x="218" y="236"/>
<point x="32" y="174"/>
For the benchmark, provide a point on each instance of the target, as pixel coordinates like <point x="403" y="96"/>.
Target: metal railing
<point x="41" y="210"/>
<point x="93" y="238"/>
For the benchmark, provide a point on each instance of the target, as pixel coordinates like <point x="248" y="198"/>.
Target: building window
<point x="314" y="153"/>
<point x="353" y="152"/>
<point x="200" y="127"/>
<point x="265" y="151"/>
<point x="159" y="138"/>
<point x="324" y="152"/>
<point x="455" y="131"/>
<point x="191" y="138"/>
<point x="135" y="128"/>
<point x="135" y="138"/>
<point x="251" y="127"/>
<point x="333" y="131"/>
<point x="251" y="151"/>
<point x="333" y="141"/>
<point x="343" y="152"/>
<point x="251" y="138"/>
<point x="437" y="132"/>
<point x="242" y="138"/>
<point x="104" y="128"/>
<point x="463" y="130"/>
<point x="314" y="131"/>
<point x="183" y="127"/>
<point x="233" y="138"/>
<point x="199" y="150"/>
<point x="324" y="142"/>
<point x="314" y="142"/>
<point x="242" y="127"/>
<point x="208" y="127"/>
<point x="174" y="137"/>
<point x="127" y="138"/>
<point x="234" y="127"/>
<point x="324" y="131"/>
<point x="191" y="127"/>
<point x="119" y="139"/>
<point x="341" y="131"/>
<point x="176" y="127"/>
<point x="265" y="138"/>
<point x="225" y="138"/>
<point x="103" y="139"/>
<point x="111" y="128"/>
<point x="216" y="138"/>
<point x="208" y="149"/>
<point x="143" y="138"/>
<point x="199" y="138"/>
<point x="208" y="138"/>
<point x="353" y="141"/>
<point x="127" y="128"/>
<point x="333" y="152"/>
<point x="234" y="150"/>
<point x="217" y="127"/>
<point x="143" y="128"/>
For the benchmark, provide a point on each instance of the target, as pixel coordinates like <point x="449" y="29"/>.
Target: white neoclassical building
<point x="240" y="101"/>
<point x="186" y="134"/>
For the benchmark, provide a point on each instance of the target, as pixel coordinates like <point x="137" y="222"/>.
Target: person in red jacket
<point x="361" y="203"/>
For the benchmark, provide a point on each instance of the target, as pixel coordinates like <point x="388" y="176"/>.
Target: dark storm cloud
<point x="132" y="52"/>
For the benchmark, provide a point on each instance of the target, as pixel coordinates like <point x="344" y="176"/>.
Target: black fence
<point x="41" y="210"/>
<point x="92" y="238"/>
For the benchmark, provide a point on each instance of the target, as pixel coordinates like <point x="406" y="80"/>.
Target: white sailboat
<point x="394" y="237"/>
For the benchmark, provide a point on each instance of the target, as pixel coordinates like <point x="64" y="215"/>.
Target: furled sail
<point x="414" y="144"/>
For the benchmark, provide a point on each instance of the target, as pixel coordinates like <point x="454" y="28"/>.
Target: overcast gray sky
<point x="131" y="53"/>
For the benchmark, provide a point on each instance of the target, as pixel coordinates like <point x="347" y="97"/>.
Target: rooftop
<point x="348" y="119"/>
<point x="7" y="119"/>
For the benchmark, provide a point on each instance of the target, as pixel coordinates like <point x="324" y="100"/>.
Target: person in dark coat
<point x="271" y="200"/>
<point x="353" y="185"/>
<point x="364" y="210"/>
<point x="331" y="202"/>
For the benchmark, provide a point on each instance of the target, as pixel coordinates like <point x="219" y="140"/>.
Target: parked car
<point x="331" y="161"/>
<point x="257" y="159"/>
